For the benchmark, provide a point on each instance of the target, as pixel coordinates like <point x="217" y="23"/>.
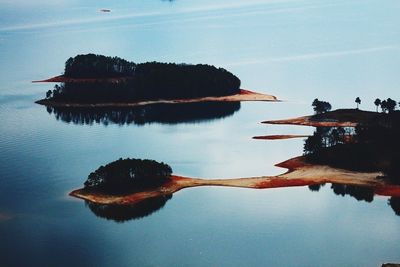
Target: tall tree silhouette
<point x="358" y="101"/>
<point x="320" y="106"/>
<point x="391" y="105"/>
<point x="377" y="103"/>
<point x="388" y="105"/>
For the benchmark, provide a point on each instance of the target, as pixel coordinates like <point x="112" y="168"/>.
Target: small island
<point x="128" y="175"/>
<point x="100" y="81"/>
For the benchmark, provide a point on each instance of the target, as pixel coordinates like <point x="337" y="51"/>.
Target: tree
<point x="388" y="105"/>
<point x="391" y="105"/>
<point x="313" y="144"/>
<point x="377" y="103"/>
<point x="358" y="101"/>
<point x="320" y="106"/>
<point x="48" y="94"/>
<point x="384" y="106"/>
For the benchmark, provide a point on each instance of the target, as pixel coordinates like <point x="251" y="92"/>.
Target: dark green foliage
<point x="358" y="101"/>
<point x="143" y="81"/>
<point x="96" y="66"/>
<point x="388" y="105"/>
<point x="377" y="103"/>
<point x="324" y="137"/>
<point x="127" y="175"/>
<point x="373" y="146"/>
<point x="321" y="106"/>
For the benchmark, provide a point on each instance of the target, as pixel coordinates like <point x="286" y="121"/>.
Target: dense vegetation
<point x="371" y="146"/>
<point x="151" y="80"/>
<point x="128" y="175"/>
<point x="321" y="106"/>
<point x="97" y="66"/>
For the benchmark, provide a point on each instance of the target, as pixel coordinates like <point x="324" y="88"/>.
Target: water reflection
<point x="158" y="113"/>
<point x="358" y="192"/>
<point x="123" y="213"/>
<point x="361" y="193"/>
<point x="315" y="187"/>
<point x="366" y="148"/>
<point x="394" y="202"/>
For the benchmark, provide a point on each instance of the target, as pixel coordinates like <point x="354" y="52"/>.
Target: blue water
<point x="296" y="50"/>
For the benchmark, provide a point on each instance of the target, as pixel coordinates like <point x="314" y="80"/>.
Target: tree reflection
<point x="315" y="187"/>
<point x="394" y="202"/>
<point x="157" y="113"/>
<point x="361" y="193"/>
<point x="123" y="213"/>
<point x="358" y="192"/>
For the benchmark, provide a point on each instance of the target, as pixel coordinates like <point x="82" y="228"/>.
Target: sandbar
<point x="310" y="121"/>
<point x="243" y="95"/>
<point x="299" y="173"/>
<point x="279" y="136"/>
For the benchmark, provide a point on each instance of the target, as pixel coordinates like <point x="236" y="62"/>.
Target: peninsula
<point x="324" y="117"/>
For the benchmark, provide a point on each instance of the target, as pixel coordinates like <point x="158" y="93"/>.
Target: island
<point x="128" y="175"/>
<point x="99" y="81"/>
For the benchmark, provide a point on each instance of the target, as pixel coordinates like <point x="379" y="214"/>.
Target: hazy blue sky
<point x="294" y="49"/>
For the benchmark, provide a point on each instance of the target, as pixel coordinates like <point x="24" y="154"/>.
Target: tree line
<point x="387" y="106"/>
<point x="371" y="146"/>
<point x="144" y="81"/>
<point x="128" y="175"/>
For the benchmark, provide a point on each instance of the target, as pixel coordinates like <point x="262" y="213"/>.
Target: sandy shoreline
<point x="279" y="137"/>
<point x="244" y="95"/>
<point x="299" y="174"/>
<point x="308" y="121"/>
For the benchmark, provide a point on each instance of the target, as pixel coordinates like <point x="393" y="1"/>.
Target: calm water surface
<point x="297" y="50"/>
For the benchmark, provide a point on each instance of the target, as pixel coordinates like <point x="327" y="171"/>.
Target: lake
<point x="296" y="50"/>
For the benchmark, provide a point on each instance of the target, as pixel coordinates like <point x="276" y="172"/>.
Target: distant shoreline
<point x="308" y="121"/>
<point x="299" y="173"/>
<point x="335" y="118"/>
<point x="244" y="95"/>
<point x="279" y="137"/>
